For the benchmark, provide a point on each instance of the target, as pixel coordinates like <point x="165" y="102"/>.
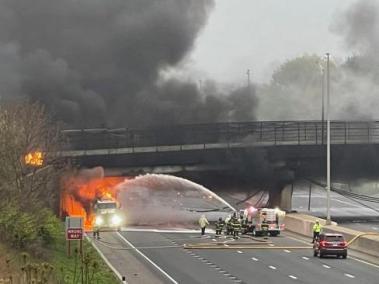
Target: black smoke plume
<point x="98" y="63"/>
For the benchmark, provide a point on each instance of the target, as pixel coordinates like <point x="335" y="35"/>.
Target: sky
<point x="260" y="35"/>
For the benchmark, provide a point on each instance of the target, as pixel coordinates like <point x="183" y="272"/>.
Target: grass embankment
<point x="54" y="265"/>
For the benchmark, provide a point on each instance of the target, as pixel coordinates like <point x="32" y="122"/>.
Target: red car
<point x="330" y="244"/>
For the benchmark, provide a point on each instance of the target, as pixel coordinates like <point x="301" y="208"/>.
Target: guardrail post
<point x="274" y="134"/>
<point x="305" y="133"/>
<point x="316" y="133"/>
<point x="368" y="133"/>
<point x="298" y="133"/>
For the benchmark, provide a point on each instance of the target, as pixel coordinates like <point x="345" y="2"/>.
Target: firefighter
<point x="243" y="222"/>
<point x="203" y="222"/>
<point x="229" y="228"/>
<point x="316" y="231"/>
<point x="264" y="226"/>
<point x="96" y="232"/>
<point x="219" y="226"/>
<point x="236" y="224"/>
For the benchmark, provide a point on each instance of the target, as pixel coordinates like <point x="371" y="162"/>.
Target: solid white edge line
<point x="363" y="261"/>
<point x="148" y="259"/>
<point x="105" y="259"/>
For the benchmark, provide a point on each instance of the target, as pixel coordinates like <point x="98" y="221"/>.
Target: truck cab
<point x="107" y="214"/>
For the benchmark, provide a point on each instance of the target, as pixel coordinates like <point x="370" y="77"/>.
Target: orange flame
<point x="78" y="196"/>
<point x="34" y="158"/>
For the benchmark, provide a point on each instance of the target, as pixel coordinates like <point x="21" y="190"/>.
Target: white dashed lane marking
<point x="305" y="258"/>
<point x="239" y="251"/>
<point x="255" y="259"/>
<point x="271" y="245"/>
<point x="287" y="251"/>
<point x="326" y="266"/>
<point x="272" y="267"/>
<point x="293" y="277"/>
<point x="349" y="275"/>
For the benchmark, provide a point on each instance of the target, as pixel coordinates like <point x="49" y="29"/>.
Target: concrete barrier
<point x="302" y="224"/>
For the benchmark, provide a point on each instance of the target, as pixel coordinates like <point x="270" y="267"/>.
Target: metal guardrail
<point x="263" y="133"/>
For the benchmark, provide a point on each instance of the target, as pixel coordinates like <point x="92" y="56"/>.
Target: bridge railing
<point x="259" y="133"/>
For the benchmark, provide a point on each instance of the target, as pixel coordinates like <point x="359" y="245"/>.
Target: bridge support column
<point x="281" y="198"/>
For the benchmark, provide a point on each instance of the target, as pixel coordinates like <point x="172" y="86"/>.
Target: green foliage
<point x="17" y="227"/>
<point x="20" y="228"/>
<point x="77" y="269"/>
<point x="49" y="227"/>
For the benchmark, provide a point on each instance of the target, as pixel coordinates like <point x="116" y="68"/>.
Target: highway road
<point x="151" y="256"/>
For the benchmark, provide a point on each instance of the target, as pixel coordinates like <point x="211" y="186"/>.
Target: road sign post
<point x="74" y="232"/>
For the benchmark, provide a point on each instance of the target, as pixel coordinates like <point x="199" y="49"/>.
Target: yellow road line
<point x="244" y="247"/>
<point x="361" y="235"/>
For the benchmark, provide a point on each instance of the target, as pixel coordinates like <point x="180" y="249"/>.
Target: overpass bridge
<point x="266" y="151"/>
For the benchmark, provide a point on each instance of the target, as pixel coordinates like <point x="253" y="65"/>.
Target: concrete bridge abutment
<point x="281" y="198"/>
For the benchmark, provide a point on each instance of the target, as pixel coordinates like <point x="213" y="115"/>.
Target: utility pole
<point x="328" y="219"/>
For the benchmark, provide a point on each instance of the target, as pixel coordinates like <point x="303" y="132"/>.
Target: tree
<point x="27" y="188"/>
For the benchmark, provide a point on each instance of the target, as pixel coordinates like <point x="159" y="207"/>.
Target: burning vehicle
<point x="93" y="197"/>
<point x="107" y="214"/>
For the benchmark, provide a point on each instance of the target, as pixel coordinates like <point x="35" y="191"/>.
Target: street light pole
<point x="322" y="104"/>
<point x="248" y="78"/>
<point x="328" y="219"/>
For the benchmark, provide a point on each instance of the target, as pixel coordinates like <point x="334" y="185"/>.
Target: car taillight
<point x="343" y="244"/>
<point x="322" y="243"/>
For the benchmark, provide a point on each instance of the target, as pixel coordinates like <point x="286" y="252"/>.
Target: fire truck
<point x="107" y="214"/>
<point x="263" y="221"/>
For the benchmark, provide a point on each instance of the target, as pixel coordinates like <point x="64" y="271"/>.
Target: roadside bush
<point x="49" y="227"/>
<point x="21" y="229"/>
<point x="24" y="231"/>
<point x="18" y="228"/>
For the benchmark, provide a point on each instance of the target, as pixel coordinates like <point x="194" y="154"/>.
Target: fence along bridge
<point x="88" y="142"/>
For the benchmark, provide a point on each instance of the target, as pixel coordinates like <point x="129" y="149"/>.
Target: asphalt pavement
<point x="180" y="257"/>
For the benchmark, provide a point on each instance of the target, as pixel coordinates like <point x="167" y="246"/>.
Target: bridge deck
<point x="217" y="136"/>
